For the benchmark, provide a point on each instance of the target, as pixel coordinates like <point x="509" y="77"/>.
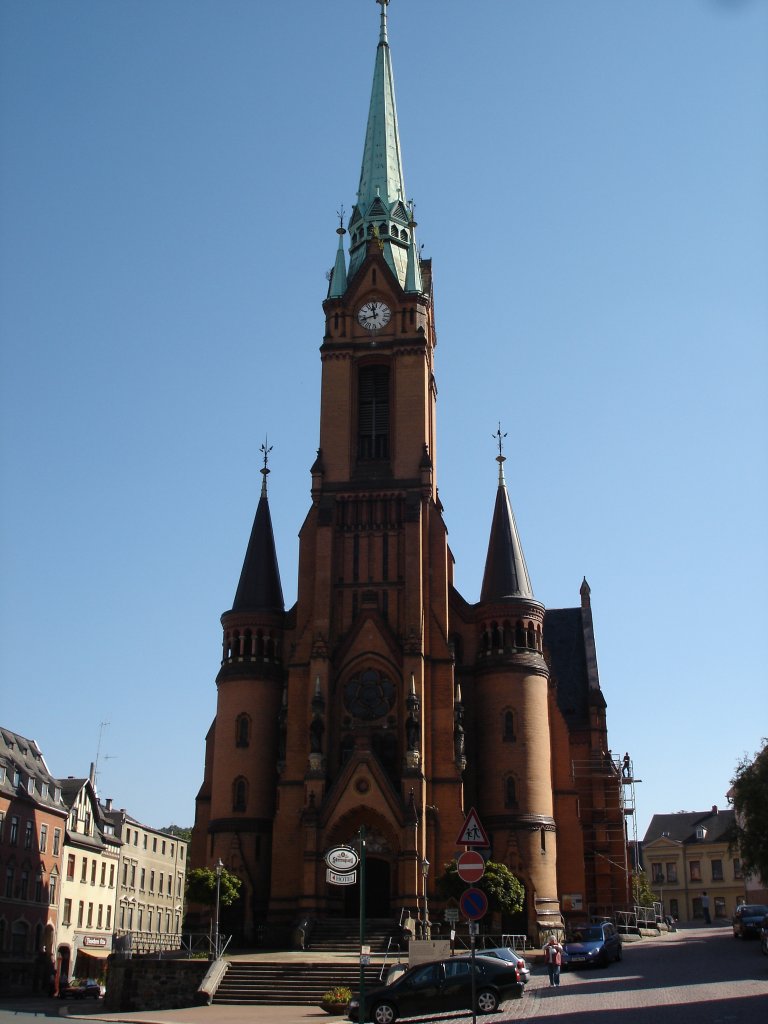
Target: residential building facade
<point x="686" y="855"/>
<point x="384" y="702"/>
<point x="32" y="826"/>
<point x="151" y="885"/>
<point x="89" y="886"/>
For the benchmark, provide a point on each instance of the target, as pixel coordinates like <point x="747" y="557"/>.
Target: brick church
<point x="384" y="698"/>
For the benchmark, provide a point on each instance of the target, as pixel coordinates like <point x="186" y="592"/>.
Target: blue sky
<point x="590" y="181"/>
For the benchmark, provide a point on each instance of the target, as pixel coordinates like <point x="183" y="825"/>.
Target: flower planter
<point x="335" y="1008"/>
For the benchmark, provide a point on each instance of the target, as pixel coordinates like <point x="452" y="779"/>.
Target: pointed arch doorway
<point x="377" y="889"/>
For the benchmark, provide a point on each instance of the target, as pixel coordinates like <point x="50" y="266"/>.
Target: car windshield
<point x="588" y="934"/>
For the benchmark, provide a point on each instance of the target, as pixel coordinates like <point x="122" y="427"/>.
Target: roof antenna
<point x="95" y="765"/>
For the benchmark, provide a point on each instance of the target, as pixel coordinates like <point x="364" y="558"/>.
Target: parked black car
<point x="87" y="989"/>
<point x="592" y="945"/>
<point x="764" y="935"/>
<point x="439" y="986"/>
<point x="747" y="920"/>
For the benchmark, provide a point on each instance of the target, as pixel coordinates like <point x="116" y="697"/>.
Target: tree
<point x="179" y="831"/>
<point x="201" y="887"/>
<point x="642" y="893"/>
<point x="749" y="834"/>
<point x="504" y="891"/>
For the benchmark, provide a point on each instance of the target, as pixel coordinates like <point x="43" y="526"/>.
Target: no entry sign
<point x="470" y="866"/>
<point x="473" y="903"/>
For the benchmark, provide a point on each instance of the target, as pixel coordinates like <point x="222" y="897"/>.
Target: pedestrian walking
<point x="705" y="907"/>
<point x="553" y="957"/>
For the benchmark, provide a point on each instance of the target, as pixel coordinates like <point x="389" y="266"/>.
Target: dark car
<point x="747" y="920"/>
<point x="87" y="989"/>
<point x="592" y="945"/>
<point x="505" y="953"/>
<point x="440" y="986"/>
<point x="764" y="936"/>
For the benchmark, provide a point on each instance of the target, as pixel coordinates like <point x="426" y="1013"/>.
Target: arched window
<point x="239" y="794"/>
<point x="509" y="727"/>
<point x="242" y="730"/>
<point x="510" y="792"/>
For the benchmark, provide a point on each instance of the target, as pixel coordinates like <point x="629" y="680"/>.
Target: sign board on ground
<point x="472" y="832"/>
<point x="341" y="878"/>
<point x="420" y="950"/>
<point x="470" y="866"/>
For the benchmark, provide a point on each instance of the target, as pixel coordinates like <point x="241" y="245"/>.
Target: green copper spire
<point x="381" y="207"/>
<point x="338" y="283"/>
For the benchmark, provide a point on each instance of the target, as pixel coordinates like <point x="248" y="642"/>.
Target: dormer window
<point x="31" y="787"/>
<point x="701" y="832"/>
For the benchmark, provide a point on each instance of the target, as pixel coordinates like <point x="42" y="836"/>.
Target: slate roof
<point x="22" y="754"/>
<point x="506" y="574"/>
<point x="564" y="646"/>
<point x="681" y="826"/>
<point x="259" y="589"/>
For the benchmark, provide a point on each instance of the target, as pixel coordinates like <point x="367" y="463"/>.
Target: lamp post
<point x="425" y="873"/>
<point x="219" y="867"/>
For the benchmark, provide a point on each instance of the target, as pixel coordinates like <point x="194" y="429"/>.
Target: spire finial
<point x="340" y="214"/>
<point x="383" y="31"/>
<point x="265" y="449"/>
<point x="500" y="458"/>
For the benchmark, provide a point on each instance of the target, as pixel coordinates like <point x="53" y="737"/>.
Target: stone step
<point x="273" y="983"/>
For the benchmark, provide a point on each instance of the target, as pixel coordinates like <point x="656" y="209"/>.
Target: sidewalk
<point x="217" y="1014"/>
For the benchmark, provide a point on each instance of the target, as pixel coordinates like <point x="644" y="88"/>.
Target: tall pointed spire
<point x="506" y="574"/>
<point x="259" y="588"/>
<point x="338" y="283"/>
<point x="381" y="207"/>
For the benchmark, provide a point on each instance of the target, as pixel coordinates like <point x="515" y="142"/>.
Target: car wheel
<point x="487" y="1001"/>
<point x="384" y="1013"/>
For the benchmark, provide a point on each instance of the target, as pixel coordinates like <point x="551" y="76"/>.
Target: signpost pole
<point x="362" y="1015"/>
<point x="472" y="930"/>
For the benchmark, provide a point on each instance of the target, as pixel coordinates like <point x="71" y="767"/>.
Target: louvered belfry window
<point x="373" y="413"/>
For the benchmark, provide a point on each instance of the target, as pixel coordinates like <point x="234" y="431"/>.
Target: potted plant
<point x="336" y="999"/>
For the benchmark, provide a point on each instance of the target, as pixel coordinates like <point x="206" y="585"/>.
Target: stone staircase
<point x="260" y="982"/>
<point x="342" y="935"/>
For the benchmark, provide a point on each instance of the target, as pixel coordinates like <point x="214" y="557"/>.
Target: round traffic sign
<point x="473" y="903"/>
<point x="470" y="866"/>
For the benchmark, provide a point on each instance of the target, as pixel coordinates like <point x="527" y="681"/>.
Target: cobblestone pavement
<point x="693" y="976"/>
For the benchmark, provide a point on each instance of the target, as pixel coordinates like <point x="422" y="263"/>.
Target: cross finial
<point x="265" y="449"/>
<point x="500" y="458"/>
<point x="340" y="215"/>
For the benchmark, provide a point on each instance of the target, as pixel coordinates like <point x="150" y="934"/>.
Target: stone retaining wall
<point x="150" y="984"/>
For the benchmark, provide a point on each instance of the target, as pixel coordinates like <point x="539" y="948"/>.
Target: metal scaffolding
<point x="605" y="787"/>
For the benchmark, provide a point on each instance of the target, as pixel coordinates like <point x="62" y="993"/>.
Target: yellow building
<point x="687" y="860"/>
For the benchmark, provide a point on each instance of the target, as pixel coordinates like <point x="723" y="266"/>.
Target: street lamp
<point x="425" y="873"/>
<point x="219" y="867"/>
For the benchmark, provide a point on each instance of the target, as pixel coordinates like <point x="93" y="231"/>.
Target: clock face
<point x="374" y="315"/>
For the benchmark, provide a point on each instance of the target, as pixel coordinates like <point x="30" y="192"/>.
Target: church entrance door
<point x="377" y="888"/>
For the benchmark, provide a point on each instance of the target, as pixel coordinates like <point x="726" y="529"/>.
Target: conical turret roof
<point x="506" y="574"/>
<point x="259" y="589"/>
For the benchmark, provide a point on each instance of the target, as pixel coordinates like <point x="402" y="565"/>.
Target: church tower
<point x="383" y="704"/>
<point x="370" y="680"/>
